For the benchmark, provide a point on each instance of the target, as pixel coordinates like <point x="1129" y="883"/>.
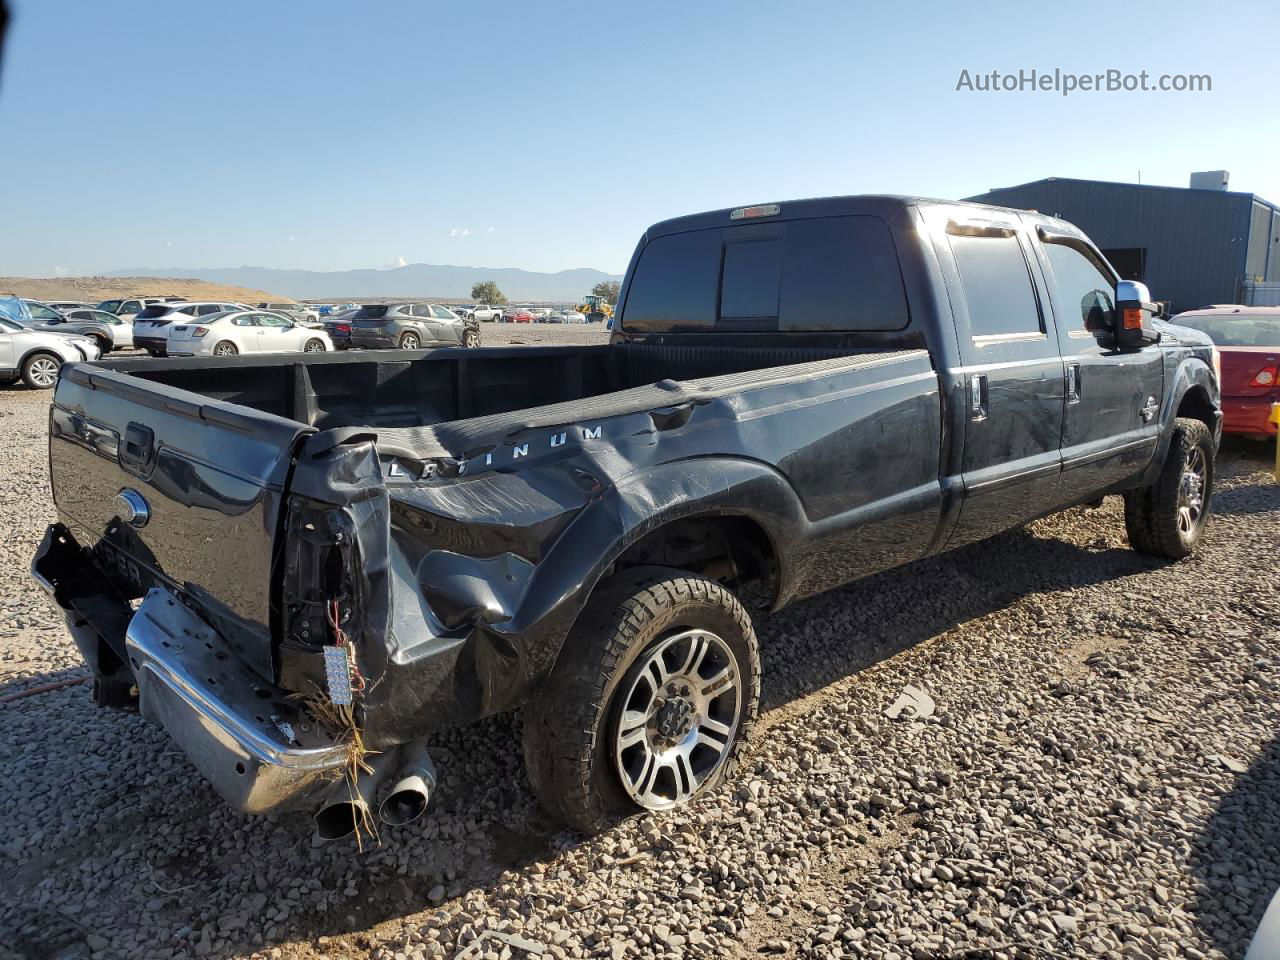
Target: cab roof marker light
<point x="750" y="213"/>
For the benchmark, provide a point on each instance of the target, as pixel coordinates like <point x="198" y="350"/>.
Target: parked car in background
<point x="35" y="356"/>
<point x="338" y="326"/>
<point x="130" y="307"/>
<point x="299" y="312"/>
<point x="484" y="312"/>
<point x="243" y="331"/>
<point x="409" y="326"/>
<point x="150" y="327"/>
<point x="328" y="310"/>
<point x="107" y="330"/>
<point x="517" y="315"/>
<point x="1248" y="344"/>
<point x="566" y="316"/>
<point x="540" y="314"/>
<point x="41" y="312"/>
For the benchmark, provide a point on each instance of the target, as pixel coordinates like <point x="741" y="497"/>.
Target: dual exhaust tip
<point x="347" y="807"/>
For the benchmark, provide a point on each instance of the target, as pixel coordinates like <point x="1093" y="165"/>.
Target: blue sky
<point x="334" y="135"/>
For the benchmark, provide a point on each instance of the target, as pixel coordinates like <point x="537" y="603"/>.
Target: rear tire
<point x="225" y="349"/>
<point x="409" y="341"/>
<point x="611" y="722"/>
<point x="40" y="370"/>
<point x="104" y="345"/>
<point x="1168" y="518"/>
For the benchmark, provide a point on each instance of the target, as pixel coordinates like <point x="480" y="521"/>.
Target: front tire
<point x="40" y="371"/>
<point x="652" y="701"/>
<point x="1168" y="518"/>
<point x="313" y="346"/>
<point x="471" y="338"/>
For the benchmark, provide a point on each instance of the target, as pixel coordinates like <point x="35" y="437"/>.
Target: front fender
<point x="1190" y="373"/>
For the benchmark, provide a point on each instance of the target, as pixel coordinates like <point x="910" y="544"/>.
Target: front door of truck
<point x="1111" y="425"/>
<point x="1012" y="374"/>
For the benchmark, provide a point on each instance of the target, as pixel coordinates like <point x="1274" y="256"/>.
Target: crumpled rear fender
<point x="645" y="501"/>
<point x="479" y="652"/>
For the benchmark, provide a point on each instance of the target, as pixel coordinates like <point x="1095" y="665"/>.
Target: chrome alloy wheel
<point x="44" y="371"/>
<point x="1191" y="491"/>
<point x="678" y="718"/>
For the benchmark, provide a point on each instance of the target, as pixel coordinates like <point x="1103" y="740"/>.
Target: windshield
<point x="372" y="312"/>
<point x="10" y="326"/>
<point x="1251" y="331"/>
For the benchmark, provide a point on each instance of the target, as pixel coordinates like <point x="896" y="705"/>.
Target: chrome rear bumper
<point x="252" y="745"/>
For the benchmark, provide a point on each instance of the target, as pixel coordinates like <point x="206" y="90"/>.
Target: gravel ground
<point x="1099" y="779"/>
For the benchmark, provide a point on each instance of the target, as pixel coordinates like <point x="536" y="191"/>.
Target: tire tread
<point x="564" y="721"/>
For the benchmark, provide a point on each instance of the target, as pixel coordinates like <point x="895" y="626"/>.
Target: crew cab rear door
<point x="174" y="489"/>
<point x="1012" y="373"/>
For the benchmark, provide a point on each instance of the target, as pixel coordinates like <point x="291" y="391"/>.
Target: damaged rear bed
<point x="442" y="516"/>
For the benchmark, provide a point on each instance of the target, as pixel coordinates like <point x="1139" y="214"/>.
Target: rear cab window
<point x="815" y="274"/>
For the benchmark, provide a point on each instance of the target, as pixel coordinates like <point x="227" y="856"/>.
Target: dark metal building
<point x="1190" y="247"/>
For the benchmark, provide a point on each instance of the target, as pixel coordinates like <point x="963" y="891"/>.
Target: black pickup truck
<point x="793" y="396"/>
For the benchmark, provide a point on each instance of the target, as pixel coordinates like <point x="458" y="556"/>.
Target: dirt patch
<point x="94" y="289"/>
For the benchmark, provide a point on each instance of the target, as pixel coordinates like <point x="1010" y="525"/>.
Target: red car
<point x="517" y="315"/>
<point x="1248" y="338"/>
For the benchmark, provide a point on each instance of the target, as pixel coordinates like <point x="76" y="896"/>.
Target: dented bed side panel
<point x="491" y="558"/>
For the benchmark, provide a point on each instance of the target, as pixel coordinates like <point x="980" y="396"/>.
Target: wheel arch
<point x="1192" y="392"/>
<point x="48" y="351"/>
<point x="742" y="511"/>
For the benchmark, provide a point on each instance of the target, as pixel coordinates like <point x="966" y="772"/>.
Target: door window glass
<point x="997" y="286"/>
<point x="1087" y="294"/>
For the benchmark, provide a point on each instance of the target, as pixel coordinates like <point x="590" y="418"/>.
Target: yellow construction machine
<point x="595" y="307"/>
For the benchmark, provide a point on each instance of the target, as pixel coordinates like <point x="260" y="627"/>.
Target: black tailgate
<point x="210" y="477"/>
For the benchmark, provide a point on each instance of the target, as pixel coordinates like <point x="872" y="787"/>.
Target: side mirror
<point x="1134" y="313"/>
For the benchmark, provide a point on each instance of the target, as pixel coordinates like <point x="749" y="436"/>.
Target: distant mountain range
<point x="411" y="280"/>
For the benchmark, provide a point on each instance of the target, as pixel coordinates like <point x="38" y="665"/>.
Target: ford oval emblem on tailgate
<point x="132" y="507"/>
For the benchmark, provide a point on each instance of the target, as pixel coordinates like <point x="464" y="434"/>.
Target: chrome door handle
<point x="978" y="396"/>
<point x="1073" y="383"/>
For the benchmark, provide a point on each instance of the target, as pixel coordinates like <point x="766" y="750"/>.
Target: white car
<point x="36" y="356"/>
<point x="129" y="307"/>
<point x="151" y="326"/>
<point x="244" y="331"/>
